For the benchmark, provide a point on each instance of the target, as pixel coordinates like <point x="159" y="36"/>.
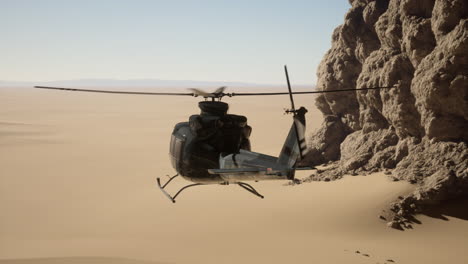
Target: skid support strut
<point x="172" y="198"/>
<point x="250" y="188"/>
<point x="162" y="187"/>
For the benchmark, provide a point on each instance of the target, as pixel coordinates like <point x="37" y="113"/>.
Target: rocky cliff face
<point x="419" y="128"/>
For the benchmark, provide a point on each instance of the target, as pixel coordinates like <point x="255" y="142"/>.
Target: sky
<point x="223" y="40"/>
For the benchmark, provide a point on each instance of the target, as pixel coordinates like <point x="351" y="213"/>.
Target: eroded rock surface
<point x="419" y="128"/>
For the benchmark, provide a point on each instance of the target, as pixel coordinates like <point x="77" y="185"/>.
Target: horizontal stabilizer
<point x="305" y="168"/>
<point x="257" y="171"/>
<point x="237" y="170"/>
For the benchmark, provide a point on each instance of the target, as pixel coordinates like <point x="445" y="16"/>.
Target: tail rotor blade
<point x="289" y="88"/>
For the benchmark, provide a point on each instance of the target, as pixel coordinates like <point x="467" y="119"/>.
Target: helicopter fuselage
<point x="196" y="146"/>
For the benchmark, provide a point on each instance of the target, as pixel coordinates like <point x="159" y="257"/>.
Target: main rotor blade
<point x="220" y="90"/>
<point x="311" y="92"/>
<point x="109" y="91"/>
<point x="199" y="92"/>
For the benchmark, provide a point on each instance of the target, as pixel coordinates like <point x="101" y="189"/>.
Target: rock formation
<point x="419" y="128"/>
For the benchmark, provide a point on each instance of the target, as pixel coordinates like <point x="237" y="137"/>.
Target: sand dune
<point x="75" y="260"/>
<point x="77" y="174"/>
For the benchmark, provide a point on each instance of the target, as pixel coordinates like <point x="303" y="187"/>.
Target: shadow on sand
<point x="452" y="208"/>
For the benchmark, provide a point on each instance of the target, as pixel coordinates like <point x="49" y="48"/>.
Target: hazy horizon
<point x="144" y="83"/>
<point x="222" y="41"/>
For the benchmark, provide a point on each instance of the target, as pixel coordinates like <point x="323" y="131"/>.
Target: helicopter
<point x="213" y="147"/>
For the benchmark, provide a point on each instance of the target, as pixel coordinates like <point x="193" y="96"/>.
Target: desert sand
<point x="78" y="174"/>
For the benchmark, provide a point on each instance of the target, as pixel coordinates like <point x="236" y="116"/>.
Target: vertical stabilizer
<point x="295" y="146"/>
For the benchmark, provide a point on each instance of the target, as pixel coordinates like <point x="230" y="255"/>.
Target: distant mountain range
<point x="156" y="83"/>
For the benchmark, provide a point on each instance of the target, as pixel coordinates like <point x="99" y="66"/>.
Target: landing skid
<point x="244" y="185"/>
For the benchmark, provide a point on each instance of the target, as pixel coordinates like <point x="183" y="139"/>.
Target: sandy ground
<point x="77" y="186"/>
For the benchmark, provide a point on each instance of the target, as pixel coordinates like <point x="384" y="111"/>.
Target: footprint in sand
<point x="367" y="255"/>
